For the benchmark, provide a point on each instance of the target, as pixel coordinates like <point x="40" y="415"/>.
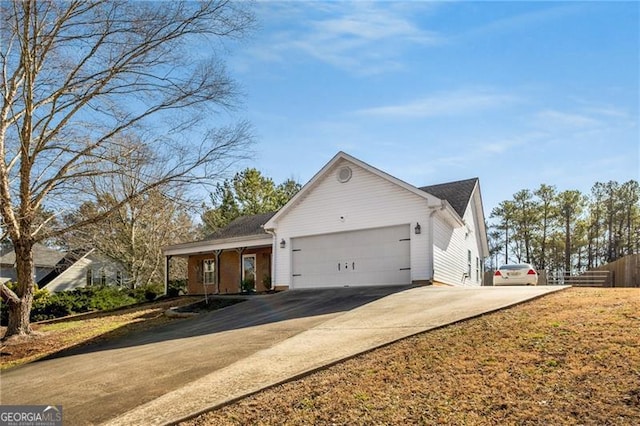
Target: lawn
<point x="84" y="329"/>
<point x="569" y="358"/>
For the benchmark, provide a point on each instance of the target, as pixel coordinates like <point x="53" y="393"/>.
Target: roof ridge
<point x="451" y="182"/>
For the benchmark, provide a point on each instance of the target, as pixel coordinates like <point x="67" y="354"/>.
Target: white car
<point x="516" y="274"/>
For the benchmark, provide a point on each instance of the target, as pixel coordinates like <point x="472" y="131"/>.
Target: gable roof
<point x="318" y="176"/>
<point x="243" y="226"/>
<point x="67" y="261"/>
<point x="453" y="214"/>
<point x="457" y="193"/>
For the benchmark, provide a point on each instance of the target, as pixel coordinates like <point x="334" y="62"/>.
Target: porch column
<point x="240" y="250"/>
<point x="217" y="266"/>
<point x="166" y="274"/>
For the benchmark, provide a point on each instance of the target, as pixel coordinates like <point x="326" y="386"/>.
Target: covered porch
<point x="224" y="267"/>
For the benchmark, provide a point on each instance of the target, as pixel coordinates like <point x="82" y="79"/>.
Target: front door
<point x="248" y="272"/>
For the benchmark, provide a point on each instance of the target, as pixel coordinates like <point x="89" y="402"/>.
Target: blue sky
<point x="515" y="93"/>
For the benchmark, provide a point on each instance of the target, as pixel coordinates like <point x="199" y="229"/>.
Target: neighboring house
<point x="82" y="268"/>
<point x="350" y="225"/>
<point x="45" y="260"/>
<point x="59" y="271"/>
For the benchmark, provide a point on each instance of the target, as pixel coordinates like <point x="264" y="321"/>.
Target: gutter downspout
<point x="434" y="210"/>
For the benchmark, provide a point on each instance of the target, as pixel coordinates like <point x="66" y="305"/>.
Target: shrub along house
<point x="350" y="225"/>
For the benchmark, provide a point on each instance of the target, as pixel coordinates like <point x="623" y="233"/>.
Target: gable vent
<point x="344" y="174"/>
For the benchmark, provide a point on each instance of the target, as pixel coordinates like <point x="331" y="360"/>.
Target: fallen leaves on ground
<point x="53" y="337"/>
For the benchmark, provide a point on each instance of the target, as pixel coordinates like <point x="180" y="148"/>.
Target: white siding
<point x="366" y="201"/>
<point x="74" y="277"/>
<point x="451" y="246"/>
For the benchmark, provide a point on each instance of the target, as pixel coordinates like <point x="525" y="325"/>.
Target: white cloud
<point x="565" y="119"/>
<point x="444" y="104"/>
<point x="496" y="147"/>
<point x="363" y="37"/>
<point x="608" y="111"/>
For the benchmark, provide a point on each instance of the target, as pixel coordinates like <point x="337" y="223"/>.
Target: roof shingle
<point x="43" y="256"/>
<point x="244" y="226"/>
<point x="457" y="193"/>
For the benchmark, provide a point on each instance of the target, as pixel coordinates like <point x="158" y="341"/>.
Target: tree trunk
<point x="567" y="244"/>
<point x="506" y="245"/>
<point x="543" y="248"/>
<point x="19" y="322"/>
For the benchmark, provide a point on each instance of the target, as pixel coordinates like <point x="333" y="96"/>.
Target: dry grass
<point x="54" y="337"/>
<point x="569" y="358"/>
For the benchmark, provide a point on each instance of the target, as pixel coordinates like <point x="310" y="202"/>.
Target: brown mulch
<point x="569" y="358"/>
<point x="52" y="337"/>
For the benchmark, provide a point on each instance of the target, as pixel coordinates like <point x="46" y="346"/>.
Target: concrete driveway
<point x="166" y="374"/>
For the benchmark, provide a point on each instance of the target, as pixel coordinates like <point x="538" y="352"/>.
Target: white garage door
<point x="358" y="258"/>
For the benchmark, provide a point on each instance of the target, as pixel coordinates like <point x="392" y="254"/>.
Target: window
<point x="103" y="277"/>
<point x="249" y="267"/>
<point x="119" y="278"/>
<point x="469" y="264"/>
<point x="477" y="269"/>
<point x="209" y="271"/>
<point x="89" y="277"/>
<point x="249" y="272"/>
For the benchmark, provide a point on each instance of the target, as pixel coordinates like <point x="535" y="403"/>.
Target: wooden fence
<point x="625" y="272"/>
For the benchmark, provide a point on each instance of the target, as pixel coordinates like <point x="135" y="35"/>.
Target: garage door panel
<point x="368" y="257"/>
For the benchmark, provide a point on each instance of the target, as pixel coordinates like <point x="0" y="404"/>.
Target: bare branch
<point x="8" y="296"/>
<point x="93" y="91"/>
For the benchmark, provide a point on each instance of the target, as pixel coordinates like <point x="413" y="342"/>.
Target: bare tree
<point x="92" y="89"/>
<point x="135" y="233"/>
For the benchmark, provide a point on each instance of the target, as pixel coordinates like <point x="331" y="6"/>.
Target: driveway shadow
<point x="259" y="310"/>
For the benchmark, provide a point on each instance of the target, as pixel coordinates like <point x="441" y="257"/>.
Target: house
<point x="83" y="268"/>
<point x="45" y="260"/>
<point x="58" y="271"/>
<point x="350" y="225"/>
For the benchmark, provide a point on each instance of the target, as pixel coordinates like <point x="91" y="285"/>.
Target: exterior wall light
<point x="418" y="228"/>
<point x="283" y="243"/>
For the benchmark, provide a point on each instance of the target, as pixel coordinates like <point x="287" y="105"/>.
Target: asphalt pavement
<point x="173" y="372"/>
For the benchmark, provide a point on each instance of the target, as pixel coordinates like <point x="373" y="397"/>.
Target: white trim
<point x="271" y="223"/>
<point x="62" y="275"/>
<point x="476" y="197"/>
<point x="201" y="247"/>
